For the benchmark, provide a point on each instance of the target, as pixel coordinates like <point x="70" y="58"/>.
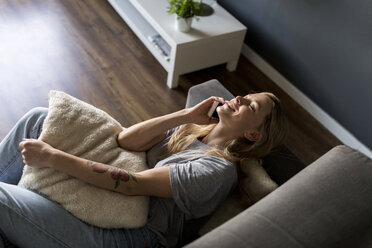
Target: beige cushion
<point x="81" y="129"/>
<point x="254" y="184"/>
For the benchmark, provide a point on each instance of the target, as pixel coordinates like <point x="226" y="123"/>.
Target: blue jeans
<point x="28" y="219"/>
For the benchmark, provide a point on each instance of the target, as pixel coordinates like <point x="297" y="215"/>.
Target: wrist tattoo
<point x="115" y="173"/>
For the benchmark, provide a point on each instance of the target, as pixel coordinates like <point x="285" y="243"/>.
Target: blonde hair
<point x="273" y="131"/>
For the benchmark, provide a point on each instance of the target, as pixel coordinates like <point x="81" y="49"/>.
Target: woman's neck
<point x="218" y="137"/>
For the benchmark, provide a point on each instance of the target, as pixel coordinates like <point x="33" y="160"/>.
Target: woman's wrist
<point x="186" y="116"/>
<point x="54" y="156"/>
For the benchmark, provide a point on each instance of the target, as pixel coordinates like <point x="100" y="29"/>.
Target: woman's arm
<point x="144" y="135"/>
<point x="140" y="137"/>
<point x="154" y="182"/>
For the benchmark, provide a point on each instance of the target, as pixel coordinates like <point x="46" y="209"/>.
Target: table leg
<point x="172" y="80"/>
<point x="231" y="65"/>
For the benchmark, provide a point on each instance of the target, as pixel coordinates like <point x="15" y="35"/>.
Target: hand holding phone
<point x="213" y="110"/>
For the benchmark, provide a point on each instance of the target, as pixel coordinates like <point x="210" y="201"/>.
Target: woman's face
<point x="245" y="114"/>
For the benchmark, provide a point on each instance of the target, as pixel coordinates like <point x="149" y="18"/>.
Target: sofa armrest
<point x="328" y="204"/>
<point x="205" y="90"/>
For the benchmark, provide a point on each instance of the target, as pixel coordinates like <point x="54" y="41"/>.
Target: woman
<point x="192" y="159"/>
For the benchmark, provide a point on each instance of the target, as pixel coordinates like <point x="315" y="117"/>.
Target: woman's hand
<point x="36" y="153"/>
<point x="199" y="113"/>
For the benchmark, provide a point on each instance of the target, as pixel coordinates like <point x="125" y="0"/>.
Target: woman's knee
<point x="5" y="195"/>
<point x="32" y="122"/>
<point x="35" y="116"/>
<point x="37" y="112"/>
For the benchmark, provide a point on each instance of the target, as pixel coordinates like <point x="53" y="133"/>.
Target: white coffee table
<point x="213" y="40"/>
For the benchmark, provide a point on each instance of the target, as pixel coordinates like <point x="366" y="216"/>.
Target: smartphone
<point x="213" y="110"/>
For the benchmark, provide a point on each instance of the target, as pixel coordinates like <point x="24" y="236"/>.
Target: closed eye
<point x="253" y="108"/>
<point x="251" y="104"/>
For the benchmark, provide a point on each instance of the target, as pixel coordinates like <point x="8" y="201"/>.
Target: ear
<point x="252" y="135"/>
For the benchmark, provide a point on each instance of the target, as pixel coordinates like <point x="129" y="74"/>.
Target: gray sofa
<point x="327" y="204"/>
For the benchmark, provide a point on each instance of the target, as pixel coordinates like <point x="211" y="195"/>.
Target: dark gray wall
<point x="323" y="47"/>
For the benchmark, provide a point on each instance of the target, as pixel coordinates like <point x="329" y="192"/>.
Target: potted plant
<point x="185" y="11"/>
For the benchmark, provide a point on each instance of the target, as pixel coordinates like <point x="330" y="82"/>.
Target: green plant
<point x="185" y="8"/>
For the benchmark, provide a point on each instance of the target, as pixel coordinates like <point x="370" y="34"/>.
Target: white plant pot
<point x="183" y="25"/>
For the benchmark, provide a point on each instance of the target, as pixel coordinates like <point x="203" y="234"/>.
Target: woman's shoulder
<point x="218" y="161"/>
<point x="216" y="165"/>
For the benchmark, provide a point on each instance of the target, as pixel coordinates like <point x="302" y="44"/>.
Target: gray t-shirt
<point x="199" y="185"/>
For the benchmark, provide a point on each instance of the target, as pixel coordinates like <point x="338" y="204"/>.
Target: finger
<point x="23" y="144"/>
<point x="219" y="99"/>
<point x="212" y="99"/>
<point x="27" y="142"/>
<point x="24" y="159"/>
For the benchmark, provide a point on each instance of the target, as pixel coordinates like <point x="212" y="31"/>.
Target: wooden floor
<point x="85" y="49"/>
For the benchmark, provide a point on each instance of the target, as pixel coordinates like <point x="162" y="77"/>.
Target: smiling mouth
<point x="230" y="107"/>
